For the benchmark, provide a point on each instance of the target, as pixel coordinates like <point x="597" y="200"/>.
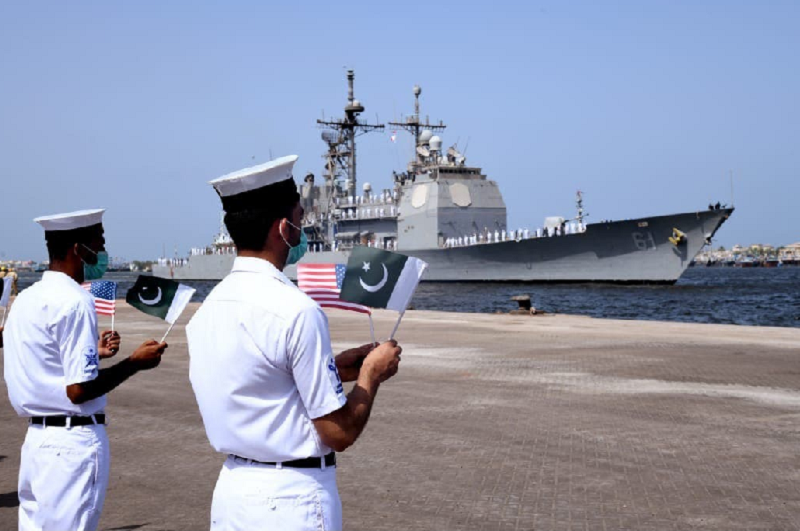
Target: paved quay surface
<point x="499" y="422"/>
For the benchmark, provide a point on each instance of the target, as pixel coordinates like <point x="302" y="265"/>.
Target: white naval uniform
<point x="50" y="343"/>
<point x="262" y="367"/>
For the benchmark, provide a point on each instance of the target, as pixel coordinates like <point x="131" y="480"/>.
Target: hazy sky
<point x="646" y="106"/>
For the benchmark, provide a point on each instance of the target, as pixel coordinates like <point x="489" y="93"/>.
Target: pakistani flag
<point x="5" y="290"/>
<point x="381" y="279"/>
<point x="159" y="297"/>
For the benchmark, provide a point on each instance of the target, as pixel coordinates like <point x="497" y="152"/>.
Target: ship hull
<point x="634" y="251"/>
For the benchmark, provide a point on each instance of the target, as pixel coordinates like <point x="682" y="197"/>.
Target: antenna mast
<point x="415" y="126"/>
<point x="340" y="135"/>
<point x="579" y="203"/>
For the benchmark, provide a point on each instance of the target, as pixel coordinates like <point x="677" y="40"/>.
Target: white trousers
<point x="63" y="476"/>
<point x="252" y="497"/>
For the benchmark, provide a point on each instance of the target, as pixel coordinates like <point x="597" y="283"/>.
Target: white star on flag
<point x="366" y="266"/>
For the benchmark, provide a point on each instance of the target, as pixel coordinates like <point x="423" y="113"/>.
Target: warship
<point x="450" y="214"/>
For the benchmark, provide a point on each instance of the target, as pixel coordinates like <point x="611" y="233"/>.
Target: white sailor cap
<point x="71" y="220"/>
<point x="249" y="179"/>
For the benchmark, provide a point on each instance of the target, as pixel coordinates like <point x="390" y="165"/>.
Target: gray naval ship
<point x="451" y="215"/>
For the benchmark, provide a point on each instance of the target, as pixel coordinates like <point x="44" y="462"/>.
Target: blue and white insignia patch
<point x="333" y="373"/>
<point x="91" y="359"/>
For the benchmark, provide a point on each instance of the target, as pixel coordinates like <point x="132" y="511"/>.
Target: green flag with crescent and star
<point x="159" y="297"/>
<point x="381" y="279"/>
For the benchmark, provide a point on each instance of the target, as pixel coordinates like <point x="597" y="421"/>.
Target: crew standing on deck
<point x="52" y="371"/>
<point x="263" y="371"/>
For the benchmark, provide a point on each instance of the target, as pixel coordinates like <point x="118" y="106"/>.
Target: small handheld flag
<point x="6" y="284"/>
<point x="382" y="279"/>
<point x="160" y="297"/>
<point x="323" y="283"/>
<point x="104" y="293"/>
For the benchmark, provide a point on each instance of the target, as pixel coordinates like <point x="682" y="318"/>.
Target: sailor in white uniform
<point x="52" y="371"/>
<point x="267" y="384"/>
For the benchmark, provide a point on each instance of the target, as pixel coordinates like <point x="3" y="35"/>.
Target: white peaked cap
<point x="256" y="177"/>
<point x="71" y="220"/>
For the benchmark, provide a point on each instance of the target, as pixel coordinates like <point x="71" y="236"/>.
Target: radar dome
<point x="436" y="143"/>
<point x="425" y="136"/>
<point x="367" y="187"/>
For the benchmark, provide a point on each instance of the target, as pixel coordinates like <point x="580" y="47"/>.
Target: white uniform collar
<point x="259" y="265"/>
<point x="58" y="276"/>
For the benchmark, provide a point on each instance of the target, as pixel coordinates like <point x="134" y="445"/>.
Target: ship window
<point x="459" y="193"/>
<point x="420" y="196"/>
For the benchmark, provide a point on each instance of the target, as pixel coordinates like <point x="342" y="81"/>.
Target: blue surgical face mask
<point x="296" y="252"/>
<point x="96" y="271"/>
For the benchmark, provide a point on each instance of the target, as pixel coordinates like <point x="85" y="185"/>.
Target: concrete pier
<point x="499" y="422"/>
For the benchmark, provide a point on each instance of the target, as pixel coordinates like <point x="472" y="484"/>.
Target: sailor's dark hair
<point x="250" y="215"/>
<point x="60" y="242"/>
<point x="249" y="228"/>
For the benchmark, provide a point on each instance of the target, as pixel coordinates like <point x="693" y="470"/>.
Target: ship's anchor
<point x="678" y="237"/>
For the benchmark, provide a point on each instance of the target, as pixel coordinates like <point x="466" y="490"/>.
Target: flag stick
<point x="167" y="332"/>
<point x="372" y="328"/>
<point x="397" y="324"/>
<point x="112" y="322"/>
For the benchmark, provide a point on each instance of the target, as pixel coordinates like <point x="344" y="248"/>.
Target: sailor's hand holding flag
<point x="349" y="362"/>
<point x="108" y="345"/>
<point x="148" y="355"/>
<point x="383" y="361"/>
<point x="381" y="358"/>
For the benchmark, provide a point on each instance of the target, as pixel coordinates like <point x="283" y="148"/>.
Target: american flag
<point x="323" y="283"/>
<point x="105" y="296"/>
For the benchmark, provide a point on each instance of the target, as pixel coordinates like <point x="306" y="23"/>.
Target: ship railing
<point x="202" y="251"/>
<point x="173" y="262"/>
<point x="349" y="202"/>
<point x="499" y="236"/>
<point x="346" y="245"/>
<point x="378" y="212"/>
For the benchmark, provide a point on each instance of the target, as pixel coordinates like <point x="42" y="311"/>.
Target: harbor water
<point x="758" y="297"/>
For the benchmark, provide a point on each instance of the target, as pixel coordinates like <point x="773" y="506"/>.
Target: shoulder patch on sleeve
<point x="333" y="373"/>
<point x="91" y="359"/>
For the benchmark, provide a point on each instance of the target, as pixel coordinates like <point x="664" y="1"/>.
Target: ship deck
<point x="499" y="422"/>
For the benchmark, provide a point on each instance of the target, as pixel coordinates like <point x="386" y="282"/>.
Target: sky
<point x="648" y="107"/>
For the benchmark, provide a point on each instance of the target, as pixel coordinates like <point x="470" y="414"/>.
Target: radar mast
<point x="414" y="125"/>
<point x="340" y="135"/>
